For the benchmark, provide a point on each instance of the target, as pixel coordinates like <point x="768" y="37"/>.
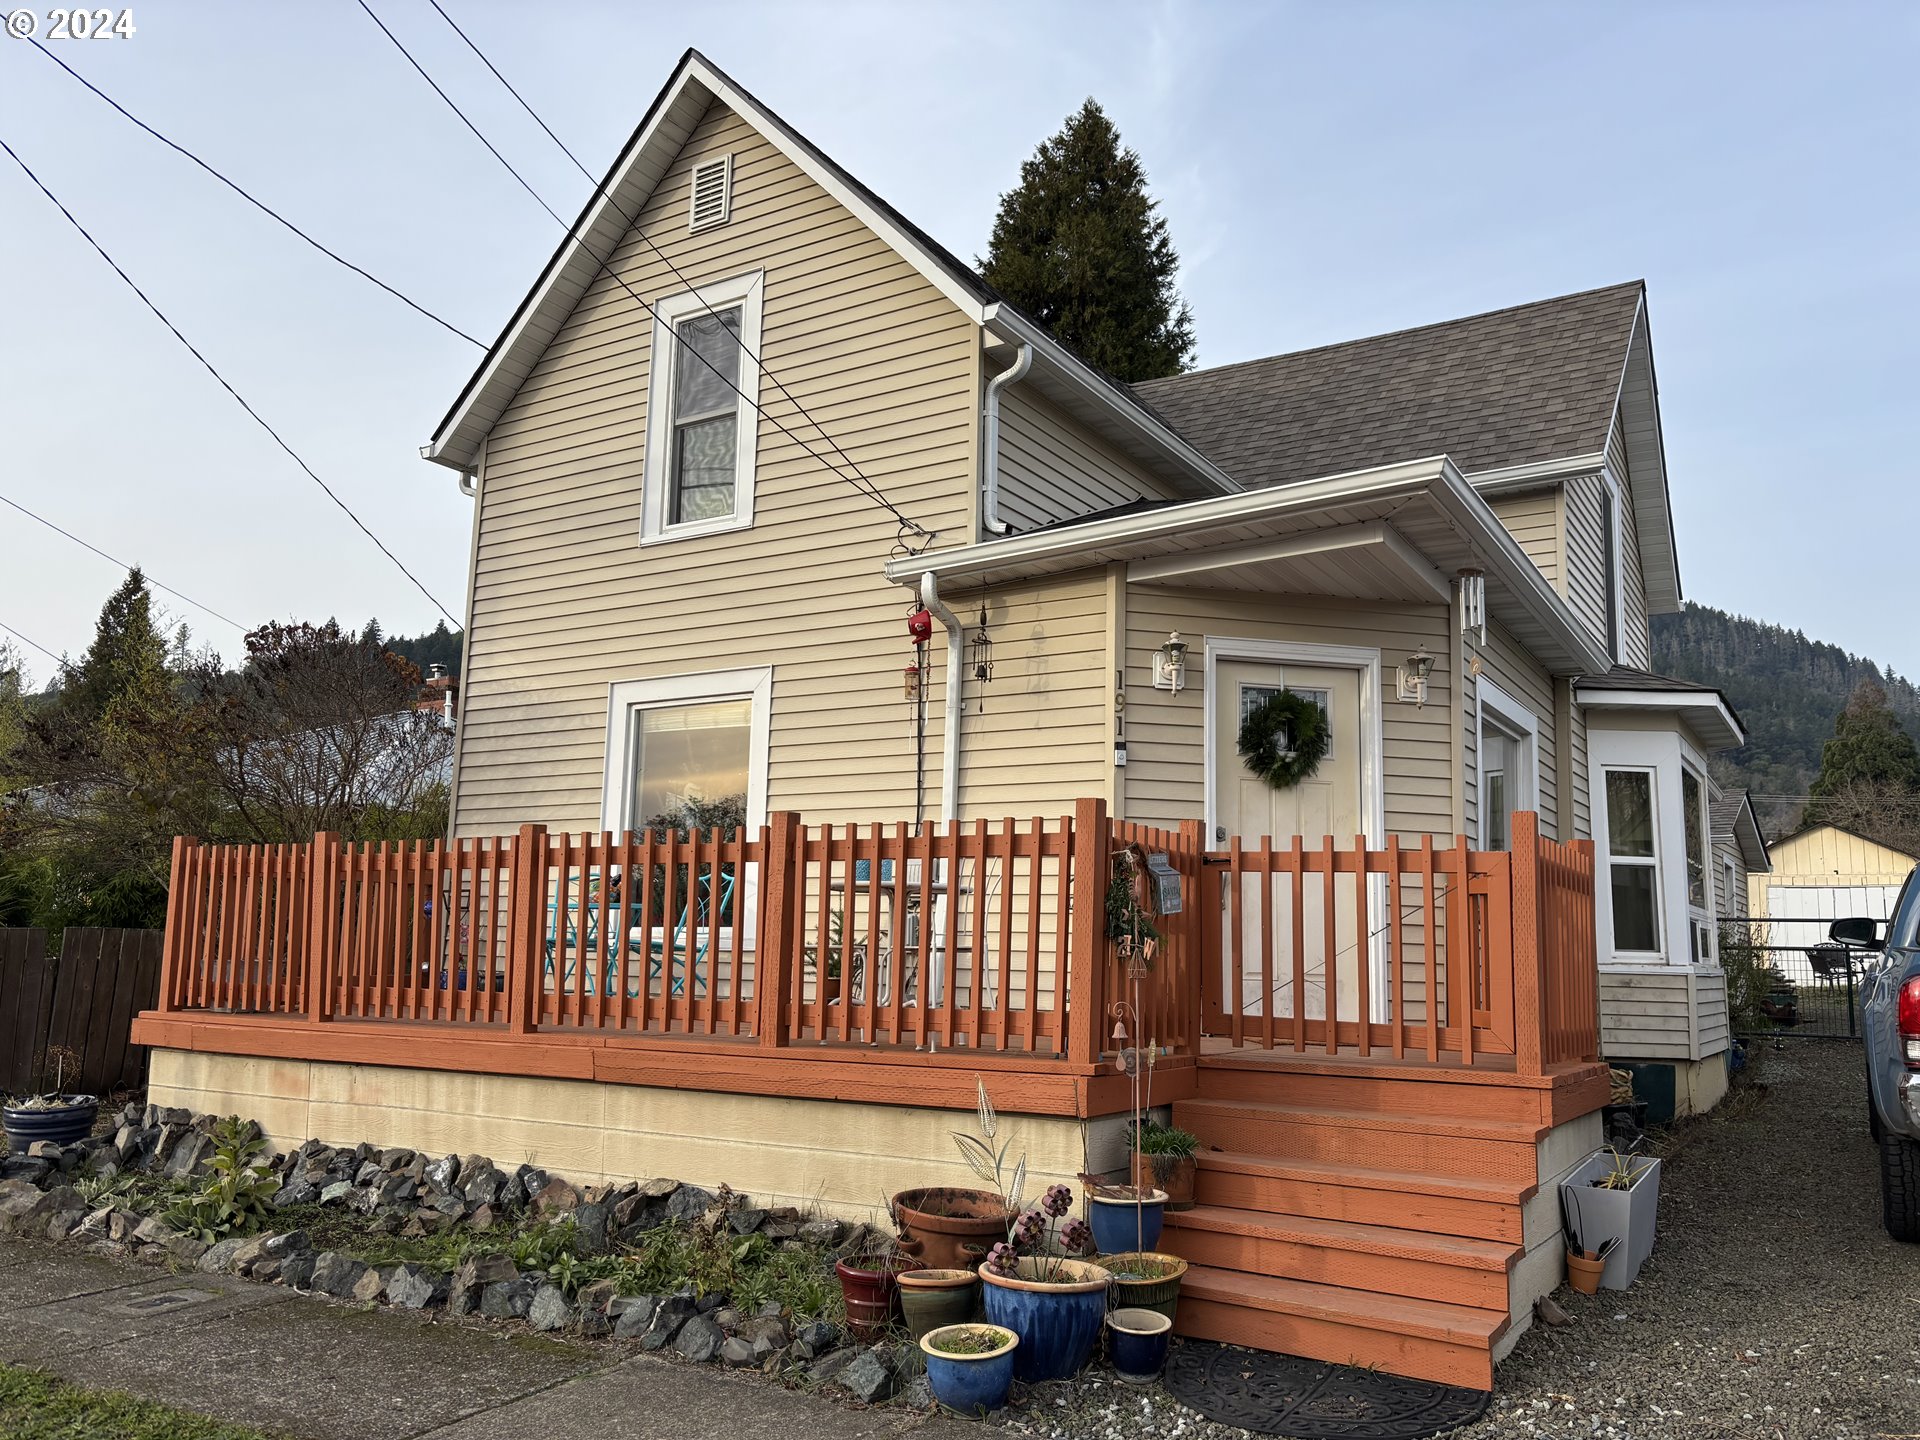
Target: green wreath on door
<point x="1275" y="720"/>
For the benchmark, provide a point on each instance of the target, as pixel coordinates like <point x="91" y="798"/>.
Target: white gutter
<point x="990" y="520"/>
<point x="950" y="736"/>
<point x="1535" y="473"/>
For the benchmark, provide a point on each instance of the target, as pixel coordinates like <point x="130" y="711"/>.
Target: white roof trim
<point x="1662" y="581"/>
<point x="1536" y="473"/>
<point x="1435" y="476"/>
<point x="1702" y="709"/>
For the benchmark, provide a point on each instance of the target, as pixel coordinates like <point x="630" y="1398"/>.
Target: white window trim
<point x="1663" y="923"/>
<point x="624" y="697"/>
<point x="1707" y="914"/>
<point x="748" y="292"/>
<point x="1509" y="714"/>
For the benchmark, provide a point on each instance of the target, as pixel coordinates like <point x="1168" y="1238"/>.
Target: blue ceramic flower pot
<point x="71" y="1121"/>
<point x="1137" y="1344"/>
<point x="1121" y="1226"/>
<point x="971" y="1384"/>
<point x="1058" y="1321"/>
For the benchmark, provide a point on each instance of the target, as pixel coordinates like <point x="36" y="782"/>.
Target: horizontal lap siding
<point x="1165" y="779"/>
<point x="1586" y="542"/>
<point x="1534" y="519"/>
<point x="1710" y="1003"/>
<point x="1582" y="799"/>
<point x="1053" y="468"/>
<point x="1643" y="1015"/>
<point x="566" y="602"/>
<point x="1509" y="666"/>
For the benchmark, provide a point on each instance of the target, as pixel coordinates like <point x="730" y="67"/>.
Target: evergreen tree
<point x="1080" y="246"/>
<point x="128" y="651"/>
<point x="1868" y="747"/>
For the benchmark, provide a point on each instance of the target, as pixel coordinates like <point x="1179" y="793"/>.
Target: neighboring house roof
<point x="695" y="84"/>
<point x="1860" y="835"/>
<point x="1511" y="387"/>
<point x="1705" y="707"/>
<point x="1731" y="820"/>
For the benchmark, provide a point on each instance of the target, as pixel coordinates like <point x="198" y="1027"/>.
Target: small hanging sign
<point x="1166" y="884"/>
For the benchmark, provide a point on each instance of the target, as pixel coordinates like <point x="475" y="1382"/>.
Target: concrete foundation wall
<point x="1541" y="1269"/>
<point x="845" y="1158"/>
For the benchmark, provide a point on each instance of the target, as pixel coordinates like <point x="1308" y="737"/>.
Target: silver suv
<point x="1890" y="1025"/>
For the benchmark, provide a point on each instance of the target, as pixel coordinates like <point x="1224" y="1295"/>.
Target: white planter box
<point x="1602" y="1214"/>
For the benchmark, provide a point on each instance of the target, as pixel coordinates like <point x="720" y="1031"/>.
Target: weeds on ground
<point x="37" y="1406"/>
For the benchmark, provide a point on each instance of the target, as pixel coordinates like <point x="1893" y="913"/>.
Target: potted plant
<point x="970" y="1367"/>
<point x="1164" y="1158"/>
<point x="1146" y="1280"/>
<point x="1125" y="1217"/>
<point x="869" y="1283"/>
<point x="935" y="1299"/>
<point x="1614" y="1197"/>
<point x="54" y="1115"/>
<point x="1137" y="1344"/>
<point x="1055" y="1304"/>
<point x="940" y="1224"/>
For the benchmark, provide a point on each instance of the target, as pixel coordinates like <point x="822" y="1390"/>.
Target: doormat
<point x="1310" y="1399"/>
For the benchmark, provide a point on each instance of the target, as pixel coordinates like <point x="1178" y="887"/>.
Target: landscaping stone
<point x="829" y="1366"/>
<point x="746" y="1219"/>
<point x="264" y="1271"/>
<point x="689" y="1203"/>
<point x="668" y="1316"/>
<point x="482" y="1218"/>
<point x="768" y="1332"/>
<point x="395" y="1159"/>
<point x="222" y="1256"/>
<point x="917" y="1394"/>
<point x="296" y="1271"/>
<point x="336" y="1274"/>
<point x="634" y="1317"/>
<point x="296" y="1192"/>
<point x="658" y="1189"/>
<point x="410" y="1287"/>
<point x="194" y="1149"/>
<point x="550" y="1310"/>
<point x="554" y="1198"/>
<point x="819" y="1337"/>
<point x="153" y="1231"/>
<point x="869" y="1377"/>
<point x="480" y="1182"/>
<point x="726" y="1317"/>
<point x="507" y="1299"/>
<point x="594" y="1298"/>
<point x="336" y="1192"/>
<point x="64" y="1223"/>
<point x="444" y="1173"/>
<point x="369" y="1286"/>
<point x="699" y="1338"/>
<point x="825" y="1231"/>
<point x="590" y="1222"/>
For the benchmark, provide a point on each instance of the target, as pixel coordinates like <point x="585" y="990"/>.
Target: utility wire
<point x="122" y="564"/>
<point x="862" y="484"/>
<point x="238" y="398"/>
<point x="257" y="204"/>
<point x="633" y="225"/>
<point x="57" y="659"/>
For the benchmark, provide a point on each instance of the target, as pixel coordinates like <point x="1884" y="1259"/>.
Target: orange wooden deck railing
<point x="985" y="939"/>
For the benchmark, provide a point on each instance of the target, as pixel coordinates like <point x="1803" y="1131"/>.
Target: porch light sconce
<point x="1170" y="665"/>
<point x="1473" y="604"/>
<point x="1410" y="678"/>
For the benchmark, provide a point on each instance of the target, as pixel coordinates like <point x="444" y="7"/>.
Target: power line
<point x="121" y="563"/>
<point x="633" y="225"/>
<point x="59" y="660"/>
<point x="257" y="204"/>
<point x="238" y="398"/>
<point x="862" y="484"/>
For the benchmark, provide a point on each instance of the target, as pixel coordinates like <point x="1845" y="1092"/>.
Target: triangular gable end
<point x="1636" y="427"/>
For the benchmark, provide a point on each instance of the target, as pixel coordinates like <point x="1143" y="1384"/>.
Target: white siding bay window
<point x="1656" y="894"/>
<point x="702" y="420"/>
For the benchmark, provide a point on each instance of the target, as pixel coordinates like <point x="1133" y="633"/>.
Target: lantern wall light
<point x="1410" y="678"/>
<point x="1170" y="664"/>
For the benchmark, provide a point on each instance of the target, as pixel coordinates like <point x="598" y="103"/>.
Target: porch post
<point x="1092" y="859"/>
<point x="1529" y="991"/>
<point x="526" y="934"/>
<point x="1197" y="924"/>
<point x="780" y="921"/>
<point x="183" y="845"/>
<point x="318" y="1001"/>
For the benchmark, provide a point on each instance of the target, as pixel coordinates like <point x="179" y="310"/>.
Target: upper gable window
<point x="703" y="386"/>
<point x="712" y="193"/>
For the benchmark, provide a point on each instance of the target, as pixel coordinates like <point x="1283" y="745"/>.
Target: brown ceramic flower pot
<point x="1583" y="1273"/>
<point x="869" y="1285"/>
<point x="1171" y="1173"/>
<point x="937" y="1225"/>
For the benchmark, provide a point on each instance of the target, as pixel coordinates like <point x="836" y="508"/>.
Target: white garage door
<point x="1801" y="913"/>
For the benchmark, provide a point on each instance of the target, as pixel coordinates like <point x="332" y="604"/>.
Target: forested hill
<point x="1787" y="688"/>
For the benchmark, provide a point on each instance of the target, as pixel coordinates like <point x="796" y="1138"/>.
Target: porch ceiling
<point x="1328" y="537"/>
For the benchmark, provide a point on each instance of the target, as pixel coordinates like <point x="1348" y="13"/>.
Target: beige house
<point x="751" y="428"/>
<point x="1823" y="873"/>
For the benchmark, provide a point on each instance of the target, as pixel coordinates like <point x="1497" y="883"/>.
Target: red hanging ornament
<point x="920" y="625"/>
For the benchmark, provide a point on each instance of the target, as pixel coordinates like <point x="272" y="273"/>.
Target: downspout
<point x="990" y="520"/>
<point x="950" y="737"/>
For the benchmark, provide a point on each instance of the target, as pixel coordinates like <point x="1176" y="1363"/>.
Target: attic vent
<point x="712" y="192"/>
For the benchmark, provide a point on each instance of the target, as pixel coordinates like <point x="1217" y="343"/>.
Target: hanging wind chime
<point x="980" y="654"/>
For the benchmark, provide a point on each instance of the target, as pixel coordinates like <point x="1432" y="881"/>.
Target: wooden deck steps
<point x="1366" y="1214"/>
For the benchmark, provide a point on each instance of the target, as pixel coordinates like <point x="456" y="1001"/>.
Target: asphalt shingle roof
<point x="1529" y="383"/>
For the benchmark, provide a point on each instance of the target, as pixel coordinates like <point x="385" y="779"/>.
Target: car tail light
<point x="1910" y="1021"/>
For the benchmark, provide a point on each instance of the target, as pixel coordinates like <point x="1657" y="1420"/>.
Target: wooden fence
<point x="82" y="1000"/>
<point x="985" y="938"/>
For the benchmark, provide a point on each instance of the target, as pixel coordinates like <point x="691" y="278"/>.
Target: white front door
<point x="1330" y="802"/>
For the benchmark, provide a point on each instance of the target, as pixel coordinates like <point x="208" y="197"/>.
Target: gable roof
<point x="1705" y="707"/>
<point x="1518" y="386"/>
<point x="1731" y="821"/>
<point x="603" y="223"/>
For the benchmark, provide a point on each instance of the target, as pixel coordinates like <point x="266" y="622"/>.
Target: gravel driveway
<point x="1774" y="1305"/>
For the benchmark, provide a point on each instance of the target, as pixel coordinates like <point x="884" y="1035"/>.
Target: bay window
<point x="1633" y="861"/>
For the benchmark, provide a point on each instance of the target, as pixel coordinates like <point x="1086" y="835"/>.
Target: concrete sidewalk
<point x="290" y="1363"/>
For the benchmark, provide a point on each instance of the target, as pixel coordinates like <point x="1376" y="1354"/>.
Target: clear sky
<point x="1328" y="170"/>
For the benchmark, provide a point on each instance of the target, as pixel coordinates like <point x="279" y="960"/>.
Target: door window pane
<point x="690" y="765"/>
<point x="1696" y="840"/>
<point x="1635" y="923"/>
<point x="1495" y="758"/>
<point x="1630" y="813"/>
